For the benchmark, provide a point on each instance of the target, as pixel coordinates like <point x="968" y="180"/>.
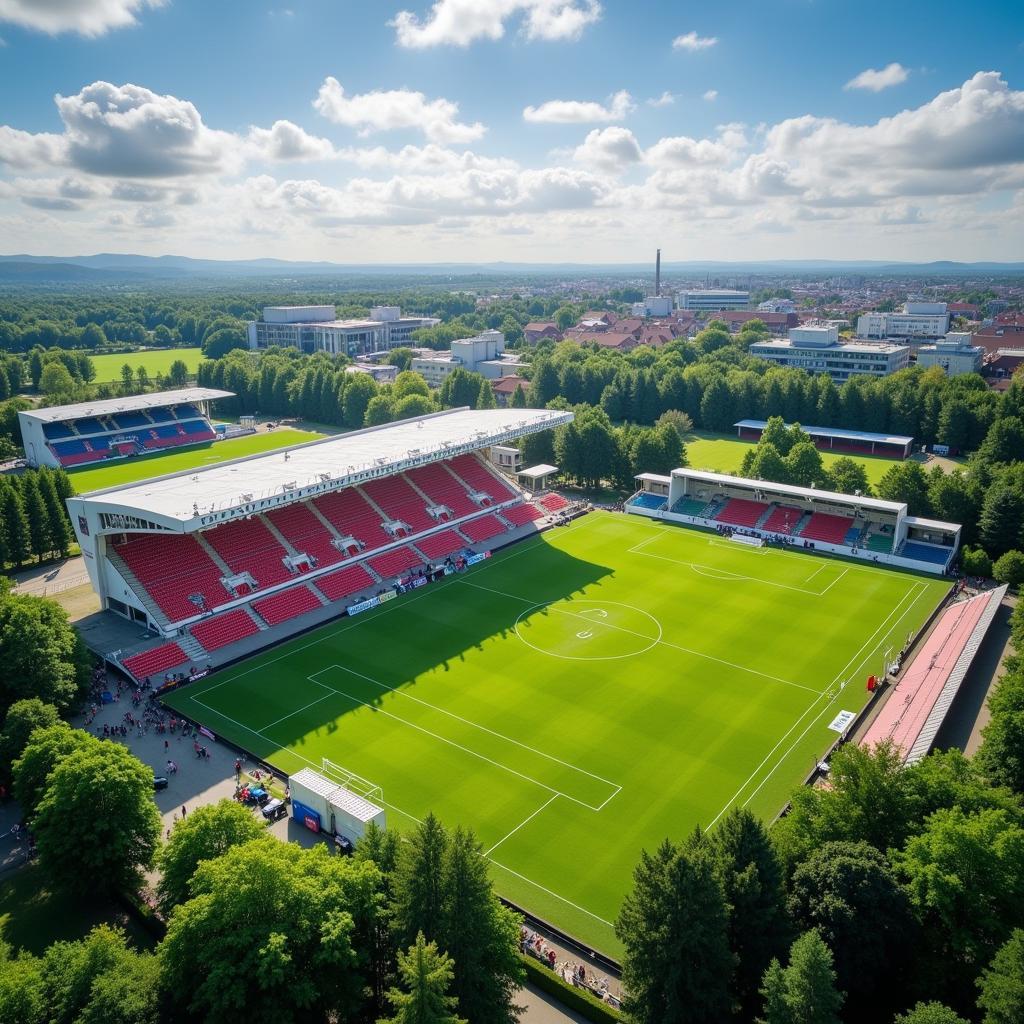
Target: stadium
<point x="390" y="613"/>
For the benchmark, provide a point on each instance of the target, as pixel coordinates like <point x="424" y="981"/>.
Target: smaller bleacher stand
<point x="827" y="528"/>
<point x="224" y="629"/>
<point x="925" y="552"/>
<point x="394" y="562"/>
<point x="440" y="545"/>
<point x="655" y="502"/>
<point x="345" y="582"/>
<point x="483" y="528"/>
<point x="286" y="604"/>
<point x="554" y="502"/>
<point x="155" y="660"/>
<point x="522" y="514"/>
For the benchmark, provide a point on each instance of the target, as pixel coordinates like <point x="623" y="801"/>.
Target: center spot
<point x="581" y="630"/>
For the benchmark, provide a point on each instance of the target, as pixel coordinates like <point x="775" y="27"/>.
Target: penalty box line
<point x="615" y="789"/>
<point x="412" y="817"/>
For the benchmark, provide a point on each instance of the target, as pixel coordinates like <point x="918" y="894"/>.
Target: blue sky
<point x="539" y="130"/>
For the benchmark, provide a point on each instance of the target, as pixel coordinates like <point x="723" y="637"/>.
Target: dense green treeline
<point x="34" y="519"/>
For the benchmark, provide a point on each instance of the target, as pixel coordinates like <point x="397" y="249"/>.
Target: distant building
<point x="777" y="323"/>
<point x="816" y="349"/>
<point x="541" y="330"/>
<point x="954" y="353"/>
<point x="713" y="299"/>
<point x="382" y="373"/>
<point x="965" y="309"/>
<point x="777" y="306"/>
<point x="917" y="321"/>
<point x="482" y="354"/>
<point x="653" y="305"/>
<point x="505" y="387"/>
<point x="315" y="329"/>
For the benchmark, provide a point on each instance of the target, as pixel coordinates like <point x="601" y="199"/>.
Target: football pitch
<point x="580" y="695"/>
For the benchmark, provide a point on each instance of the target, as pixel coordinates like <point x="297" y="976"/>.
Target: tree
<point x="23" y="718"/>
<point x="22" y="988"/>
<point x="955" y="423"/>
<point x="716" y="406"/>
<point x="906" y="482"/>
<point x="427" y="976"/>
<point x="105" y="794"/>
<point x="42" y="653"/>
<point x="35" y="512"/>
<point x="673" y="927"/>
<point x="56" y="379"/>
<point x="58" y="527"/>
<point x="459" y="388"/>
<point x="419" y="883"/>
<point x="380" y="409"/>
<point x="1010" y="569"/>
<point x="1002" y="983"/>
<point x="413" y="406"/>
<point x="45" y="749"/>
<point x="410" y="383"/>
<point x="847" y="476"/>
<point x="177" y="375"/>
<point x="751" y="878"/>
<point x="974" y="562"/>
<point x="221" y="342"/>
<point x="206" y="833"/>
<point x="127" y="379"/>
<point x="293" y="914"/>
<point x="805" y="991"/>
<point x="358" y="392"/>
<point x="544" y="384"/>
<point x="1001" y="755"/>
<point x="485" y="398"/>
<point x="518" y="399"/>
<point x="15" y="532"/>
<point x="1001" y="525"/>
<point x="952" y="497"/>
<point x="1004" y="441"/>
<point x="848" y="893"/>
<point x="929" y="1013"/>
<point x="804" y="465"/>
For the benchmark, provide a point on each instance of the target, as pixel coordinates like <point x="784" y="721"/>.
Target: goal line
<point x="351" y="781"/>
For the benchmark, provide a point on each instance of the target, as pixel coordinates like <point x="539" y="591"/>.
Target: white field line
<point x="297" y="711"/>
<point x="623" y="629"/>
<point x="465" y="750"/>
<point x="525" y="821"/>
<point x="465" y="721"/>
<point x="834" y="582"/>
<point x="412" y="817"/>
<point x="912" y="590"/>
<point x="815" y="573"/>
<point x="717" y="542"/>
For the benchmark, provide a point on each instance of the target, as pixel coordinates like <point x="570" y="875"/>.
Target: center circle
<point x="579" y="630"/>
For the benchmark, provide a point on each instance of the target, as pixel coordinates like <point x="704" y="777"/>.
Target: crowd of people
<point x="572" y="973"/>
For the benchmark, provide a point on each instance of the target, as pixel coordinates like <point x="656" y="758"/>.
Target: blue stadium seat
<point x="89" y="425"/>
<point x="925" y="553"/>
<point x="55" y="430"/>
<point x="651" y="501"/>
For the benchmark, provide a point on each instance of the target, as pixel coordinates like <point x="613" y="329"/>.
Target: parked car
<point x="274" y="810"/>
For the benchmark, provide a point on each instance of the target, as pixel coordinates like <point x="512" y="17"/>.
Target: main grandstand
<point x="842" y="524"/>
<point x="118" y="428"/>
<point x="208" y="558"/>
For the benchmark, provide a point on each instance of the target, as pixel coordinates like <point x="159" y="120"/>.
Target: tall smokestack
<point x="657" y="273"/>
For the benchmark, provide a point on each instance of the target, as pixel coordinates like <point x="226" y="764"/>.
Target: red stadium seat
<point x="480" y="478"/>
<point x="155" y="660"/>
<point x="827" y="528"/>
<point x="224" y="629"/>
<point x="443" y="489"/>
<point x="344" y="582"/>
<point x="286" y="604"/>
<point x="440" y="545"/>
<point x="483" y="528"/>
<point x="520" y="515"/>
<point x="395" y="562"/>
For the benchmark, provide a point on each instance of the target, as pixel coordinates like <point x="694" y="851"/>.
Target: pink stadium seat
<point x="440" y="545"/>
<point x="483" y="528"/>
<point x="248" y="546"/>
<point x="396" y="496"/>
<point x="827" y="528"/>
<point x="395" y="562"/>
<point x="351" y="515"/>
<point x="741" y="512"/>
<point x="155" y="660"/>
<point x="480" y="478"/>
<point x="343" y="582"/>
<point x="305" y="532"/>
<point x="443" y="489"/>
<point x="554" y="502"/>
<point x="224" y="629"/>
<point x="286" y="604"/>
<point x="172" y="568"/>
<point x="520" y="515"/>
<point x="782" y="519"/>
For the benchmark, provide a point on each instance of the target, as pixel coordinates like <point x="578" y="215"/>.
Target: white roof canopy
<point x="109" y="406"/>
<point x="536" y="472"/>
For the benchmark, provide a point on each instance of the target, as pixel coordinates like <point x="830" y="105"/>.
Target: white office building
<point x="777" y="306"/>
<point x="653" y="305"/>
<point x="917" y="321"/>
<point x="711" y="300"/>
<point x="483" y="354"/>
<point x="316" y="329"/>
<point x="954" y="353"/>
<point x="816" y="349"/>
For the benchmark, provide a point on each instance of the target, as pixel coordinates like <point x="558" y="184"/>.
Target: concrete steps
<point x="155" y="611"/>
<point x="225" y="569"/>
<point x="278" y="535"/>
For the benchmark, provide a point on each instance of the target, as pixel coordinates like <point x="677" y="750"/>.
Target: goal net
<point x="352" y="782"/>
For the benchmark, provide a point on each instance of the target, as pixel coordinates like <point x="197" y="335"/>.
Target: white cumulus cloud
<point x="711" y="95"/>
<point x="693" y="43"/>
<point x="387" y="110"/>
<point x="666" y="99"/>
<point x="581" y="111"/>
<point x="461" y="22"/>
<point x="285" y="140"/>
<point x="86" y="17"/>
<point x="609" y="149"/>
<point x="876" y="81"/>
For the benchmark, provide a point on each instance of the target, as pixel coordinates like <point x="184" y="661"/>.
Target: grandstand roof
<point x="806" y="493"/>
<point x="104" y="407"/>
<point x="194" y="499"/>
<point x="846" y="435"/>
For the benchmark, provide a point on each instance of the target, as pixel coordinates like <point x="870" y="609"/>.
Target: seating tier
<point x="443" y="489"/>
<point x="304" y="531"/>
<point x="440" y="545"/>
<point x="399" y="500"/>
<point x="156" y="659"/>
<point x="286" y="604"/>
<point x="741" y="512"/>
<point x="483" y="528"/>
<point x="225" y="629"/>
<point x="554" y="502"/>
<point x="248" y="546"/>
<point x="480" y="478"/>
<point x="521" y="514"/>
<point x="350" y="514"/>
<point x="925" y="553"/>
<point x="343" y="582"/>
<point x="829" y="529"/>
<point x="395" y="561"/>
<point x="782" y="519"/>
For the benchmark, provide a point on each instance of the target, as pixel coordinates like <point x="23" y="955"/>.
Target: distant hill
<point x="25" y="272"/>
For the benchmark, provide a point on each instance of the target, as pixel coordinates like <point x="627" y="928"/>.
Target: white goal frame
<point x="351" y="781"/>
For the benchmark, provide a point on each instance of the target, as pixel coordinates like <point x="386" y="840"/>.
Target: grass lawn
<point x="142" y="467"/>
<point x="108" y="368"/>
<point x="32" y="917"/>
<point x="580" y="695"/>
<point x="723" y="453"/>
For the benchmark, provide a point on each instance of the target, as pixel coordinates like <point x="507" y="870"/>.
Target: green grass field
<point x="580" y="695"/>
<point x="721" y="453"/>
<point x="108" y="367"/>
<point x="143" y="467"/>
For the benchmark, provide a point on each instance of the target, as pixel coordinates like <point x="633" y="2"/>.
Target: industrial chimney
<point x="657" y="273"/>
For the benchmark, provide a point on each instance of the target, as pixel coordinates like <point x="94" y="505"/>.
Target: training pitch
<point x="580" y="695"/>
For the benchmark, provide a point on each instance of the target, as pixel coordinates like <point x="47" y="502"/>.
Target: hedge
<point x="568" y="995"/>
